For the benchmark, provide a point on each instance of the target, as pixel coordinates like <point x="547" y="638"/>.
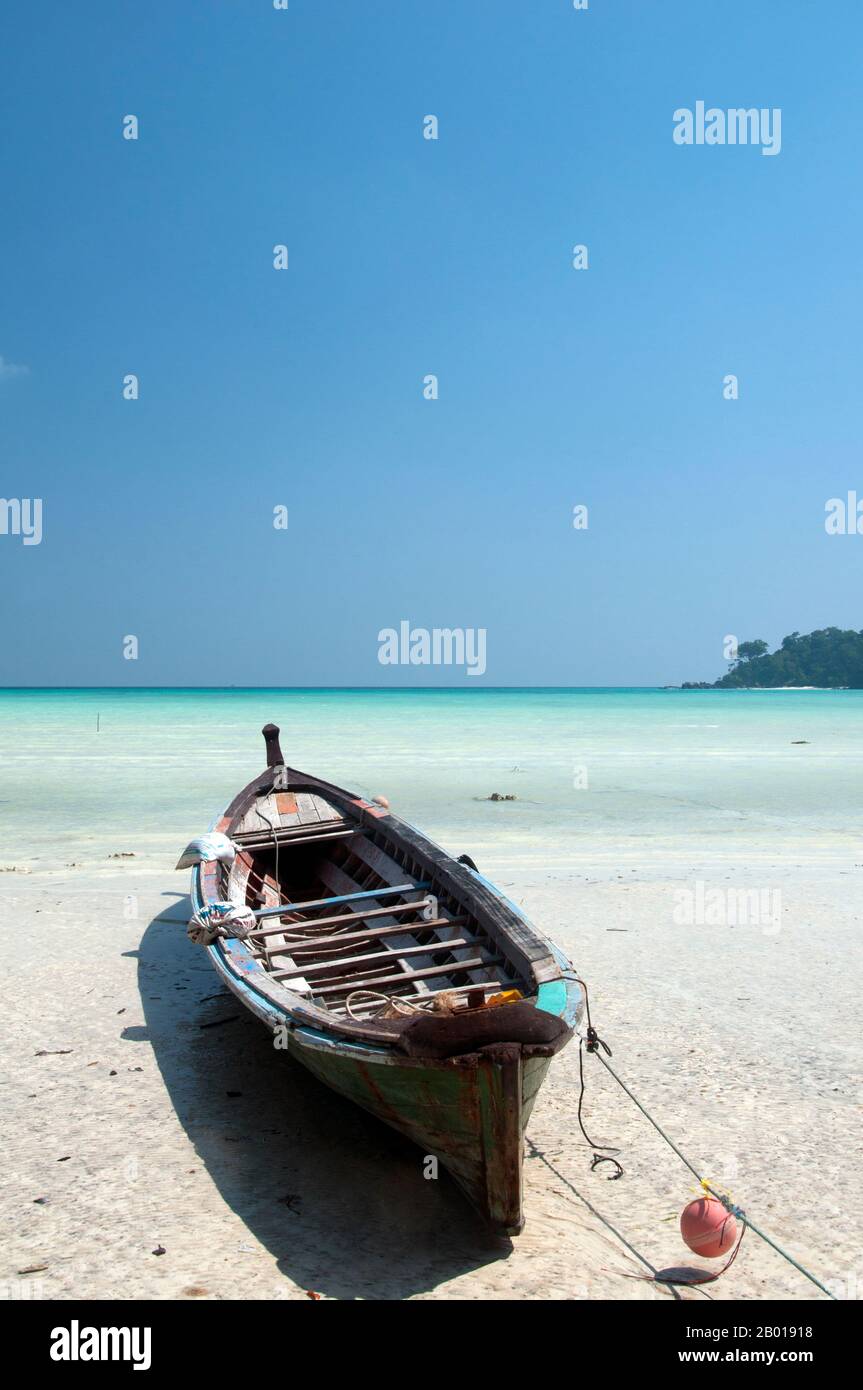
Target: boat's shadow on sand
<point x="338" y="1198"/>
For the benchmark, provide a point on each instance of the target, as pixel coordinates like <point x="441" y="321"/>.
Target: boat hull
<point x="469" y="1113"/>
<point x="456" y="1058"/>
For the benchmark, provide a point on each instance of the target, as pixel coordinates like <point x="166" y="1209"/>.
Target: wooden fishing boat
<point x="396" y="974"/>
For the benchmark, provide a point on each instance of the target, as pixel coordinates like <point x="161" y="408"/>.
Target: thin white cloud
<point x="10" y="369"/>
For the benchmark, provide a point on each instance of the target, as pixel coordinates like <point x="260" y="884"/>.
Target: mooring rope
<point x="396" y="1001"/>
<point x="609" y="1149"/>
<point x="592" y="1043"/>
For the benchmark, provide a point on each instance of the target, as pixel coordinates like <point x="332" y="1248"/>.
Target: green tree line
<point x="832" y="656"/>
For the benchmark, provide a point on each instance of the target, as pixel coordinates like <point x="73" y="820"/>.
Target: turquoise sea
<point x="599" y="775"/>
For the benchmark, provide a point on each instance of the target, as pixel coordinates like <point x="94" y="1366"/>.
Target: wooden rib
<point x="460" y="944"/>
<point x="454" y="968"/>
<point x="343" y="917"/>
<point x="301" y="944"/>
<point x="338" y="879"/>
<point x="388" y="868"/>
<point x="345" y="897"/>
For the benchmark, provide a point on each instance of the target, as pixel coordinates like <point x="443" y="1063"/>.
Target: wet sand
<point x="161" y="1119"/>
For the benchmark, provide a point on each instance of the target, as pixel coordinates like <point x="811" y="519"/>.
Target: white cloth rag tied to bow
<point x="204" y="848"/>
<point x="220" y="919"/>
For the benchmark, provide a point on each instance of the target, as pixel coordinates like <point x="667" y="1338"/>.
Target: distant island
<point x="831" y="658"/>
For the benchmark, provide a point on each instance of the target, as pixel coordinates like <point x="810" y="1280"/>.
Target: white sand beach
<point x="145" y="1112"/>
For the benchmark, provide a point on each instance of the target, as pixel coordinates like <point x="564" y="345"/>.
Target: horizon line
<point x="394" y="689"/>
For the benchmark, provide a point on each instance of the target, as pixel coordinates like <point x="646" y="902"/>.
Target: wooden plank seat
<point x="427" y="972"/>
<point x="284" y="833"/>
<point x="430" y="978"/>
<point x="340" y="898"/>
<point x="318" y="922"/>
<point x="281" y="842"/>
<point x="301" y="944"/>
<point x="382" y="957"/>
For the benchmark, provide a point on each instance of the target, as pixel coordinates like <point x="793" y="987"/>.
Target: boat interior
<point x="350" y="919"/>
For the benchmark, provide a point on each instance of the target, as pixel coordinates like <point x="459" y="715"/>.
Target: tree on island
<point x="831" y="657"/>
<point x="747" y="651"/>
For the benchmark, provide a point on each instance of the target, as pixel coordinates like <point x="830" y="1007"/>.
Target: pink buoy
<point x="707" y="1227"/>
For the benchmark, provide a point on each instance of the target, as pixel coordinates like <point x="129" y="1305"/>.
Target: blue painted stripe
<point x="551" y="997"/>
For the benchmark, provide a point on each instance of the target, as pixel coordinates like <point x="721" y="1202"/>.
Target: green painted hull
<point x="470" y="1114"/>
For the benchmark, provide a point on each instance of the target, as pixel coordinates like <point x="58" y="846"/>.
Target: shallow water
<point x="599" y="774"/>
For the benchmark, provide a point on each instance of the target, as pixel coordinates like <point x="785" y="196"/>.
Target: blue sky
<point x="409" y="257"/>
